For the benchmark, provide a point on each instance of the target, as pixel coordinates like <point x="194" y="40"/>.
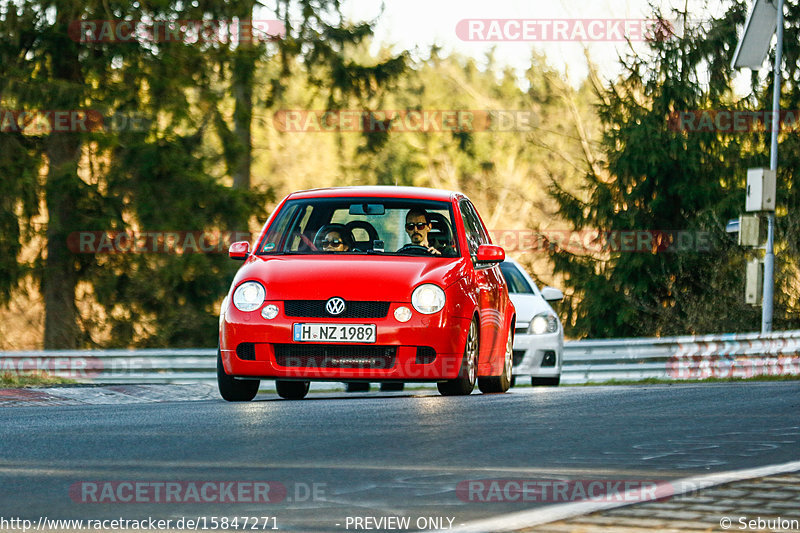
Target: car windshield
<point x="387" y="226"/>
<point x="517" y="284"/>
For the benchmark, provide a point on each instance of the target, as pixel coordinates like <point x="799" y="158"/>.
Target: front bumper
<point x="426" y="348"/>
<point x="538" y="355"/>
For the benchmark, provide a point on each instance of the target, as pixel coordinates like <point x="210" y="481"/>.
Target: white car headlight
<point x="544" y="323"/>
<point x="249" y="296"/>
<point x="428" y="299"/>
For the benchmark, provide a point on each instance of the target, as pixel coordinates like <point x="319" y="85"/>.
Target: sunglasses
<point x="419" y="225"/>
<point x="334" y="242"/>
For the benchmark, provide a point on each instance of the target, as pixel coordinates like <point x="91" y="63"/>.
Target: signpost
<point x="764" y="20"/>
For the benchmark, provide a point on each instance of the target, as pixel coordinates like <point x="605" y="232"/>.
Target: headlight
<point x="428" y="299"/>
<point x="249" y="296"/>
<point x="544" y="323"/>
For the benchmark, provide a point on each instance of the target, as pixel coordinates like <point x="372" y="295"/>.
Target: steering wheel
<point x="414" y="249"/>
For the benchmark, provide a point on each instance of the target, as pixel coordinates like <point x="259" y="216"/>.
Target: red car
<point x="367" y="284"/>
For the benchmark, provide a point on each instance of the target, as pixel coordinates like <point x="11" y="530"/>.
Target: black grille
<point x="246" y="351"/>
<point x="316" y="308"/>
<point x="334" y="356"/>
<point x="518" y="355"/>
<point x="549" y="358"/>
<point x="425" y="355"/>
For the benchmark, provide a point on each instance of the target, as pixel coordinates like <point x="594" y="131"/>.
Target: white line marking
<point x="553" y="513"/>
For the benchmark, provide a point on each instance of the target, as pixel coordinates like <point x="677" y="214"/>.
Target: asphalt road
<point x="334" y="458"/>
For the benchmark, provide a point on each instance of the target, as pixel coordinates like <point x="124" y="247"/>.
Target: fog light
<point x="269" y="311"/>
<point x="402" y="314"/>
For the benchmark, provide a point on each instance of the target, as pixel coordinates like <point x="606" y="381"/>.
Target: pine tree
<point x="169" y="174"/>
<point x="656" y="177"/>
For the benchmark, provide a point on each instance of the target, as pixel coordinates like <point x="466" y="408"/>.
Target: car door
<point x="487" y="280"/>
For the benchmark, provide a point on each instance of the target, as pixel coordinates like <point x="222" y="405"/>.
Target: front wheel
<point x="292" y="390"/>
<point x="502" y="382"/>
<point x="232" y="389"/>
<point x="465" y="382"/>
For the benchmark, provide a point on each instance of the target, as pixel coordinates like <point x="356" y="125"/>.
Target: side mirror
<point x="239" y="250"/>
<point x="490" y="253"/>
<point x="551" y="294"/>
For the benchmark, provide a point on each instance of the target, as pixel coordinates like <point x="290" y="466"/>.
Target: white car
<point x="538" y="335"/>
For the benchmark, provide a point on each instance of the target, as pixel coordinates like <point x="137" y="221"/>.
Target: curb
<point x="536" y="517"/>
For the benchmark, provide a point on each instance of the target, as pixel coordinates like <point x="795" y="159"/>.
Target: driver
<point x="418" y="225"/>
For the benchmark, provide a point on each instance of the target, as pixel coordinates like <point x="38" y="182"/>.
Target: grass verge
<point x="32" y="379"/>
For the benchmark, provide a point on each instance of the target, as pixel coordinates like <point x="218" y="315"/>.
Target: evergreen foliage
<point x="205" y="155"/>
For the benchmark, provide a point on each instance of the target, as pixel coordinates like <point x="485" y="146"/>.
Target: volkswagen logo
<point x="335" y="306"/>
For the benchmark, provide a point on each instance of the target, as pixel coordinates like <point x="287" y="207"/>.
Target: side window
<point x="472" y="225"/>
<point x="484" y="237"/>
<point x="276" y="237"/>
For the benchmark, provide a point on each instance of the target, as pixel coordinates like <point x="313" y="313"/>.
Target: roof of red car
<point x="385" y="191"/>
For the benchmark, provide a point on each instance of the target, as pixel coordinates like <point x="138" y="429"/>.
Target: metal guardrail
<point x="180" y="365"/>
<point x="687" y="357"/>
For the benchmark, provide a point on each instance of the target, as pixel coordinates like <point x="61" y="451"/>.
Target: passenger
<point x="334" y="238"/>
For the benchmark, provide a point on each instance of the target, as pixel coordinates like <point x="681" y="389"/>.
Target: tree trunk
<point x="242" y="85"/>
<point x="60" y="275"/>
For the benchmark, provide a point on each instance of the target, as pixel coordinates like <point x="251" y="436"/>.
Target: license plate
<point x="334" y="333"/>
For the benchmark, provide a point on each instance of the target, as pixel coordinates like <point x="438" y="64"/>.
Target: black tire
<point x="292" y="390"/>
<point x="501" y="383"/>
<point x="392" y="387"/>
<point x="513" y="381"/>
<point x="357" y="386"/>
<point x="465" y="382"/>
<point x="546" y="382"/>
<point x="232" y="389"/>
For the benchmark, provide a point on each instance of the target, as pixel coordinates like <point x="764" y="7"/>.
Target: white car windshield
<point x="517" y="284"/>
